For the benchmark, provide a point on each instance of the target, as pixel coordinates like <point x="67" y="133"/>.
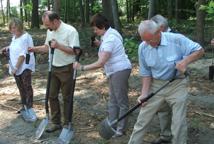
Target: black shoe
<point x="160" y="141"/>
<point x="53" y="127"/>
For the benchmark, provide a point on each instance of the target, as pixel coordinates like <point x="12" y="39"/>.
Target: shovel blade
<point x="41" y="128"/>
<point x="65" y="136"/>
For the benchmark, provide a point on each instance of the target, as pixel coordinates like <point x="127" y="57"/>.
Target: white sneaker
<point x="29" y="115"/>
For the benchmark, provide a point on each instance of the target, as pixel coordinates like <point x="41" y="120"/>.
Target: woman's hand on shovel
<point x="139" y="100"/>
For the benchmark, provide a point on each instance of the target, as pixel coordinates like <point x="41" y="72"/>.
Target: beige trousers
<point x="175" y="95"/>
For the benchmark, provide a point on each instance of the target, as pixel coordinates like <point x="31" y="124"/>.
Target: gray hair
<point x="148" y="26"/>
<point x="160" y="20"/>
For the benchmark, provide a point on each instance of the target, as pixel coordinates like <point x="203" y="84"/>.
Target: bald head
<point x="51" y="15"/>
<point x="51" y="20"/>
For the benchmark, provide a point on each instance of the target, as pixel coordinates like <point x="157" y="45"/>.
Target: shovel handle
<point x="49" y="79"/>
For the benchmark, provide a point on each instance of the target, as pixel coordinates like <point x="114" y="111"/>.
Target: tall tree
<point x="21" y="10"/>
<point x="82" y="14"/>
<point x="169" y="9"/>
<point x="2" y="12"/>
<point x="151" y="8"/>
<point x="35" y="14"/>
<point x="56" y="6"/>
<point x="87" y="11"/>
<point x="107" y="11"/>
<point x="200" y="14"/>
<point x="116" y="19"/>
<point x="8" y="10"/>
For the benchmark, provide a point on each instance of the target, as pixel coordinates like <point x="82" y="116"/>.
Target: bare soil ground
<point x="90" y="102"/>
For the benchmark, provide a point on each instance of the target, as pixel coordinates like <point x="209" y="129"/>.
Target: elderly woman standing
<point x="21" y="64"/>
<point x="117" y="67"/>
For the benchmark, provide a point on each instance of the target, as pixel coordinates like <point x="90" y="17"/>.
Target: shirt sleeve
<point x="73" y="39"/>
<point x="188" y="46"/>
<point x="144" y="69"/>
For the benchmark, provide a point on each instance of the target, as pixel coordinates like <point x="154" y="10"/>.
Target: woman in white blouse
<point x="117" y="67"/>
<point x="21" y="64"/>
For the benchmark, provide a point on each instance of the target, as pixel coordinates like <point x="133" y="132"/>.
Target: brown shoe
<point x="160" y="141"/>
<point x="53" y="127"/>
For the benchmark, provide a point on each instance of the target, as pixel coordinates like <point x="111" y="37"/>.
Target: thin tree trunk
<point x="8" y="10"/>
<point x="151" y="8"/>
<point x="87" y="11"/>
<point x="21" y="10"/>
<point x="127" y="11"/>
<point x="115" y="15"/>
<point x="35" y="14"/>
<point x="169" y="8"/>
<point x="82" y="15"/>
<point x="200" y="22"/>
<point x="56" y="6"/>
<point x="107" y="11"/>
<point x="2" y="11"/>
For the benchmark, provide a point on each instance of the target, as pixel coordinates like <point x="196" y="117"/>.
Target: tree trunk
<point x="8" y="10"/>
<point x="169" y="9"/>
<point x="200" y="22"/>
<point x="107" y="11"/>
<point x="82" y="15"/>
<point x="176" y="10"/>
<point x="48" y="4"/>
<point x="128" y="11"/>
<point x="151" y="8"/>
<point x="35" y="14"/>
<point x="21" y="10"/>
<point x="25" y="11"/>
<point x="2" y="11"/>
<point x="66" y="11"/>
<point x="87" y="11"/>
<point x="116" y="19"/>
<point x="56" y="6"/>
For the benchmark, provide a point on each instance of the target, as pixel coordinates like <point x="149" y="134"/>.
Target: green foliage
<point x="14" y="12"/>
<point x="97" y="7"/>
<point x="209" y="9"/>
<point x="131" y="47"/>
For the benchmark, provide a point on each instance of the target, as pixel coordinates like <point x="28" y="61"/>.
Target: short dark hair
<point x="99" y="21"/>
<point x="51" y="15"/>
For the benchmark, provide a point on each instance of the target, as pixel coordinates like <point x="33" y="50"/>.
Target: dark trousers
<point x="23" y="83"/>
<point x="61" y="79"/>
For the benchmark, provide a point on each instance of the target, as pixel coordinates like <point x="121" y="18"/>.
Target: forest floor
<point x="90" y="102"/>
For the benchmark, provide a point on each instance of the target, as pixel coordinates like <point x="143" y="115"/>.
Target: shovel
<point x="67" y="133"/>
<point x="106" y="129"/>
<point x="45" y="121"/>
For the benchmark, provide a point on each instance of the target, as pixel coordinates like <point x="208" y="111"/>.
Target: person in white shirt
<point x="21" y="65"/>
<point x="117" y="67"/>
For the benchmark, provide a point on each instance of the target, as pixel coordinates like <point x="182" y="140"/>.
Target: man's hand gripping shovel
<point x="45" y="121"/>
<point x="67" y="133"/>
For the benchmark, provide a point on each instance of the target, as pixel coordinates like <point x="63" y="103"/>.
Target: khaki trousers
<point x="175" y="95"/>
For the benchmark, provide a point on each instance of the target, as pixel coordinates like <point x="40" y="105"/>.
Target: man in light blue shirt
<point x="162" y="56"/>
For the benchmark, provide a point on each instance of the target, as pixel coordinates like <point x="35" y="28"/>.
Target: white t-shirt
<point x="19" y="47"/>
<point x="112" y="42"/>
